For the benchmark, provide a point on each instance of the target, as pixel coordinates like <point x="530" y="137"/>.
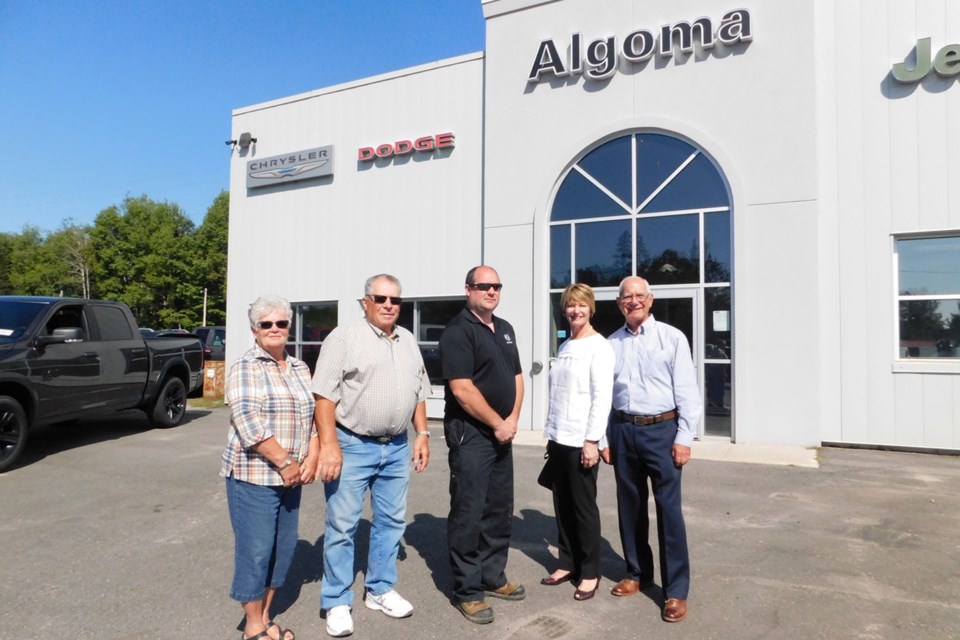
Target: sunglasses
<point x="382" y="299"/>
<point x="268" y="324"/>
<point x="486" y="286"/>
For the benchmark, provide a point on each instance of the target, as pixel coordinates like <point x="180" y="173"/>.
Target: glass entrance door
<point x="678" y="307"/>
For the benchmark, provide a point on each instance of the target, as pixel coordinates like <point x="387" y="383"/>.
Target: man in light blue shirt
<point x="656" y="410"/>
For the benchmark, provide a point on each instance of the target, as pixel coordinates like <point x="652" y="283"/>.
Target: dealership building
<point x="784" y="174"/>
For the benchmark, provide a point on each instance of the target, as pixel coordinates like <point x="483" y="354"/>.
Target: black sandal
<point x="285" y="634"/>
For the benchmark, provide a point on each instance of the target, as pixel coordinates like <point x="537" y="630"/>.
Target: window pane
<point x="316" y="321"/>
<point x="717" y="323"/>
<point x="716" y="237"/>
<point x="309" y="354"/>
<point x="112" y="323"/>
<point x="716" y="419"/>
<point x="929" y="266"/>
<point x="434" y="316"/>
<point x="698" y="186"/>
<point x="431" y="362"/>
<point x="607" y="320"/>
<point x="658" y="156"/>
<point x="580" y="198"/>
<point x="668" y="249"/>
<point x="405" y="318"/>
<point x="929" y="328"/>
<point x="559" y="256"/>
<point x="609" y="164"/>
<point x="604" y="252"/>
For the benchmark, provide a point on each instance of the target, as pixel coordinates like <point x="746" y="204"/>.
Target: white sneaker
<point x="391" y="603"/>
<point x="339" y="622"/>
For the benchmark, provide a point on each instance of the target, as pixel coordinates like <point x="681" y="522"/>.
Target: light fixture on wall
<point x="245" y="141"/>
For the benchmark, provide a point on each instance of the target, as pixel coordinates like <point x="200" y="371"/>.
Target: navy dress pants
<point x="640" y="454"/>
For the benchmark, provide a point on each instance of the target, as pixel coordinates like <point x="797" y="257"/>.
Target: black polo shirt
<point x="468" y="349"/>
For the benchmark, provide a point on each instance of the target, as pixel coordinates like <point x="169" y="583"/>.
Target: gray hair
<point x="646" y="285"/>
<point x="368" y="286"/>
<point x="263" y="305"/>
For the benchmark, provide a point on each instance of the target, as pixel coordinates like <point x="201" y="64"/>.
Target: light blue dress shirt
<point x="654" y="374"/>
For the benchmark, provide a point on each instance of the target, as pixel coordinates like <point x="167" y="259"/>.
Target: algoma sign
<point x="600" y="58"/>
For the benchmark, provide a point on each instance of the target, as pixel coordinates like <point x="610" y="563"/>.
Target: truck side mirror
<point x="63" y="334"/>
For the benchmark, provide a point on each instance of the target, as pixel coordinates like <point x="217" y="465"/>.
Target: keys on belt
<point x="644" y="421"/>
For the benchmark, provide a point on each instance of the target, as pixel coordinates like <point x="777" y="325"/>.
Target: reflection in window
<point x="559" y="256"/>
<point x="426" y="319"/>
<point x="668" y="249"/>
<point x="604" y="252"/>
<point x="716" y="239"/>
<point x="312" y="323"/>
<point x="928" y="282"/>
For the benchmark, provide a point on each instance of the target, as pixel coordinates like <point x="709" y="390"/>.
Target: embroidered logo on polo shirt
<point x="507" y="337"/>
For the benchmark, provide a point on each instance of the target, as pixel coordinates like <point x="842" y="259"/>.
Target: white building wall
<point x="896" y="153"/>
<point x="416" y="217"/>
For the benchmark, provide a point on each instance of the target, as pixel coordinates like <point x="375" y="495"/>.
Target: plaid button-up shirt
<point x="266" y="400"/>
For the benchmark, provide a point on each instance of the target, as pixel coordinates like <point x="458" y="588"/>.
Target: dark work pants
<point x="639" y="454"/>
<point x="481" y="509"/>
<point x="575" y="505"/>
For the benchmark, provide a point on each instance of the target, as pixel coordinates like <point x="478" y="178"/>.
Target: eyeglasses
<point x="638" y="297"/>
<point x="382" y="299"/>
<point x="268" y="324"/>
<point x="486" y="286"/>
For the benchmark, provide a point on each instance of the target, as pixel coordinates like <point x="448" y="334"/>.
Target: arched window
<point x="653" y="205"/>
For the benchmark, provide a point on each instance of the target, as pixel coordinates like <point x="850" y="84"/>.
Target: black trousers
<point x="481" y="508"/>
<point x="575" y="506"/>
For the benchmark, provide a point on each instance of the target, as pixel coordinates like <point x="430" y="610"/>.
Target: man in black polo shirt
<point x="484" y="390"/>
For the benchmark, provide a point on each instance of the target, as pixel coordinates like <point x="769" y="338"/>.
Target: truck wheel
<point x="171" y="404"/>
<point x="13" y="431"/>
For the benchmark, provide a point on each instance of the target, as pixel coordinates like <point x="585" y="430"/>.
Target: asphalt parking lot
<point x="112" y="530"/>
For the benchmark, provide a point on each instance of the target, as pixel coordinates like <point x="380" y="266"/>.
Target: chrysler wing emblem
<point x="288" y="172"/>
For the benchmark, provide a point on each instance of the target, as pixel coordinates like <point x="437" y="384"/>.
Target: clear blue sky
<point x="100" y="99"/>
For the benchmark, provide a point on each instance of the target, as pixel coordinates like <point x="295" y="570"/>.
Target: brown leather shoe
<point x="674" y="610"/>
<point x="626" y="587"/>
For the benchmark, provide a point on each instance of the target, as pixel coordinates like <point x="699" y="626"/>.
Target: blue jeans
<point x="384" y="469"/>
<point x="264" y="523"/>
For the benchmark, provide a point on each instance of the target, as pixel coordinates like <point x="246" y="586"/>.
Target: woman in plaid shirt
<point x="271" y="452"/>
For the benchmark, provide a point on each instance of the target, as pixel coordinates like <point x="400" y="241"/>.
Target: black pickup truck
<point x="62" y="359"/>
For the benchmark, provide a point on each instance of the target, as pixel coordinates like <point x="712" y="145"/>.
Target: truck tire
<point x="13" y="431"/>
<point x="170" y="406"/>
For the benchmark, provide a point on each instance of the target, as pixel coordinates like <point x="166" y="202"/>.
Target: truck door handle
<point x="90" y="354"/>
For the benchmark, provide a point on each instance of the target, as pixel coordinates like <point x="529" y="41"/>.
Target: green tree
<point x="70" y="246"/>
<point x="36" y="269"/>
<point x="143" y="256"/>
<point x="6" y="245"/>
<point x="210" y="241"/>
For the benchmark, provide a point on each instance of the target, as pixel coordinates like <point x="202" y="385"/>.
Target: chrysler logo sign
<point x="290" y="167"/>
<point x="601" y="57"/>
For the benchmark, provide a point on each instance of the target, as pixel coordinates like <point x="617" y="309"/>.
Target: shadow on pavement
<point x="56" y="438"/>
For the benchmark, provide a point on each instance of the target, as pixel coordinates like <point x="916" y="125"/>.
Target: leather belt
<point x="379" y="439"/>
<point x="644" y="421"/>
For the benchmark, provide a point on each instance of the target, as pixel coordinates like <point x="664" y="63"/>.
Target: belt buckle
<point x="384" y="439"/>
